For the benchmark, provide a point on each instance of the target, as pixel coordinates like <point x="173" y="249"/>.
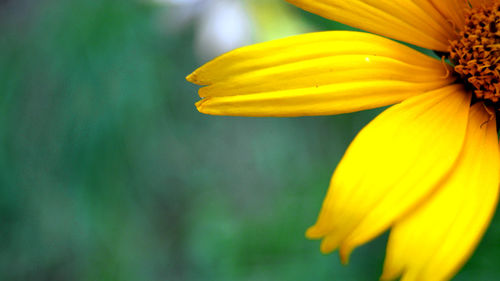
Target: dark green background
<point x="108" y="172"/>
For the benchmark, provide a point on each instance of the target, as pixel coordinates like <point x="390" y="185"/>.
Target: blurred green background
<point x="108" y="172"/>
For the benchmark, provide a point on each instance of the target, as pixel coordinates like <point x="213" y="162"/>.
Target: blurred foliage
<point x="108" y="172"/>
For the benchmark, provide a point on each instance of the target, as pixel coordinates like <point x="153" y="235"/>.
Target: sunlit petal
<point x="393" y="163"/>
<point x="316" y="74"/>
<point x="415" y="22"/>
<point x="433" y="242"/>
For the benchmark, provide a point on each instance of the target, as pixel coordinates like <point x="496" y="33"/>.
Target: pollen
<point x="476" y="52"/>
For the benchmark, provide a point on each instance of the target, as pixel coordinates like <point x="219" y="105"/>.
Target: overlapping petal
<point x="451" y="10"/>
<point x="478" y="3"/>
<point x="391" y="166"/>
<point x="315" y="74"/>
<point x="418" y="22"/>
<point x="433" y="242"/>
<point x="427" y="166"/>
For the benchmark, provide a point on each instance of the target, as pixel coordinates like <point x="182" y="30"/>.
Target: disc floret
<point x="476" y="52"/>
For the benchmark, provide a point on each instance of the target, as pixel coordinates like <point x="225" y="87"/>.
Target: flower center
<point x="476" y="54"/>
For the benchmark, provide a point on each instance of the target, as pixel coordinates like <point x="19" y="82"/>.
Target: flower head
<point x="427" y="168"/>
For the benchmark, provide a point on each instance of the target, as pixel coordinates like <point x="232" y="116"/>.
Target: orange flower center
<point x="476" y="54"/>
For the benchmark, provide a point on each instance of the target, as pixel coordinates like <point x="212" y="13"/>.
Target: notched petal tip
<point x="326" y="247"/>
<point x="200" y="107"/>
<point x="313" y="233"/>
<point x="191" y="78"/>
<point x="330" y="244"/>
<point x="199" y="76"/>
<point x="194" y="78"/>
<point x="344" y="253"/>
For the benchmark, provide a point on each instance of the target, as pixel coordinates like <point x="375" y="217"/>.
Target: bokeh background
<point x="108" y="172"/>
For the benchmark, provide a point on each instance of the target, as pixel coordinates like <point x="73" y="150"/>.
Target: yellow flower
<point x="427" y="168"/>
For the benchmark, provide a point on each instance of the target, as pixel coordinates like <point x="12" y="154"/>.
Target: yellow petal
<point x="406" y="20"/>
<point x="393" y="163"/>
<point x="315" y="74"/>
<point x="434" y="241"/>
<point x="478" y="3"/>
<point x="451" y="10"/>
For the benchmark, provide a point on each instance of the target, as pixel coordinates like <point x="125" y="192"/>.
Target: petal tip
<point x="325" y="248"/>
<point x="345" y="253"/>
<point x="386" y="277"/>
<point x="192" y="78"/>
<point x="390" y="271"/>
<point x="329" y="244"/>
<point x="200" y="107"/>
<point x="313" y="233"/>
